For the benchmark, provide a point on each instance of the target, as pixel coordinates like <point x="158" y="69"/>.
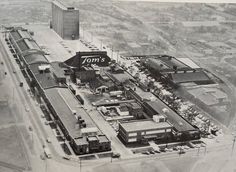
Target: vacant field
<point x="12" y="150"/>
<point x="151" y="166"/>
<point x="22" y="11"/>
<point x="172" y="165"/>
<point x="6" y="117"/>
<point x="5" y="169"/>
<point x="231" y="60"/>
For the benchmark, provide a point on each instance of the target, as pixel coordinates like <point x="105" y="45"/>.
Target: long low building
<point x="77" y="126"/>
<point x="182" y="129"/>
<point x="143" y="130"/>
<point x="175" y="70"/>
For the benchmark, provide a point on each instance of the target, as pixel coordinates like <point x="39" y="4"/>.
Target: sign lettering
<point x="92" y="60"/>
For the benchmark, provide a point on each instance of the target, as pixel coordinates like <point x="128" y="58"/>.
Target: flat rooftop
<point x="57" y="70"/>
<point x="64" y="103"/>
<point x="73" y="104"/>
<point x="144" y="94"/>
<point x="189" y="63"/>
<point x="172" y="61"/>
<point x="165" y="63"/>
<point x="46" y="80"/>
<point x="103" y="139"/>
<point x="197" y="76"/>
<point x="57" y="48"/>
<point x="135" y="126"/>
<point x="178" y="122"/>
<point x="120" y="77"/>
<point x="63" y="5"/>
<point x="63" y="111"/>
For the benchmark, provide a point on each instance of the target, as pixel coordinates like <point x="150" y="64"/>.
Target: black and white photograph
<point x="117" y="86"/>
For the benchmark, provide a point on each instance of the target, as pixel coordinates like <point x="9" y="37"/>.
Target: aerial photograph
<point x="117" y="86"/>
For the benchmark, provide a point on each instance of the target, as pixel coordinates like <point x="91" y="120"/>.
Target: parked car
<point x="42" y="156"/>
<point x="163" y="150"/>
<point x="67" y="157"/>
<point x="191" y="145"/>
<point x="175" y="148"/>
<point x="115" y="155"/>
<point x="48" y="140"/>
<point x="182" y="152"/>
<point x="146" y="153"/>
<point x="152" y="152"/>
<point x="157" y="151"/>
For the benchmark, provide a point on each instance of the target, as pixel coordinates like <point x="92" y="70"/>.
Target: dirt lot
<point x="4" y="169"/>
<point x="12" y="150"/>
<point x="6" y="117"/>
<point x="153" y="166"/>
<point x="25" y="10"/>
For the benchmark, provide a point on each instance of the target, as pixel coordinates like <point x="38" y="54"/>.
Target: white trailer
<point x="47" y="153"/>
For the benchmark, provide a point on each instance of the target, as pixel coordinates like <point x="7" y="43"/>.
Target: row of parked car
<point x="89" y="45"/>
<point x="151" y="152"/>
<point x="180" y="148"/>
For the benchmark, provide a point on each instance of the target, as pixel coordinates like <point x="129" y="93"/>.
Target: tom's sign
<point x="87" y="60"/>
<point x="99" y="58"/>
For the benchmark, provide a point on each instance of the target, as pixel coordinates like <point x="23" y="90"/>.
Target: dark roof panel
<point x="15" y="35"/>
<point x="22" y="45"/>
<point x="35" y="58"/>
<point x="189" y="77"/>
<point x="46" y="80"/>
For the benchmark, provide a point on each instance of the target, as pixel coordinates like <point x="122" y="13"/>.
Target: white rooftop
<point x="189" y="63"/>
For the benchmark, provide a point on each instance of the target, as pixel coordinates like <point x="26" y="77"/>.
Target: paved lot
<point x="58" y="49"/>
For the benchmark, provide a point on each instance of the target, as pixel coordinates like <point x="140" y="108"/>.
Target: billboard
<point x="81" y="59"/>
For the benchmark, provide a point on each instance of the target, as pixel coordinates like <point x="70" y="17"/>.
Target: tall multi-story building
<point x="65" y="20"/>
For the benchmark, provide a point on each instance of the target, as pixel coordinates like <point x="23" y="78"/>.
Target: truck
<point x="80" y="99"/>
<point x="48" y="153"/>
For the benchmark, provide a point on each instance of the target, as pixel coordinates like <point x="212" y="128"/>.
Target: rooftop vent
<point x="44" y="67"/>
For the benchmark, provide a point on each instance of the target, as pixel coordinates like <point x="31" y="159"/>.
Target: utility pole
<point x="101" y="45"/>
<point x="13" y="94"/>
<point x="91" y="37"/>
<point x="233" y="145"/>
<point x="82" y="32"/>
<point x="205" y="150"/>
<point x="112" y="52"/>
<point x="198" y="150"/>
<point x="32" y="137"/>
<point x="117" y="58"/>
<point x="80" y="165"/>
<point x="46" y="166"/>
